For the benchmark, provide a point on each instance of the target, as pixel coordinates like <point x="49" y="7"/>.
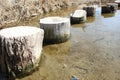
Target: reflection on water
<point x="82" y="26"/>
<point x="59" y="49"/>
<point x="92" y="53"/>
<point x="108" y="15"/>
<point x="90" y="19"/>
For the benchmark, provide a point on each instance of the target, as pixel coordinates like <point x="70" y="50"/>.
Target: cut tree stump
<point x="109" y="8"/>
<point x="106" y="9"/>
<point x="57" y="29"/>
<point x="20" y="49"/>
<point x="78" y="16"/>
<point x="118" y="2"/>
<point x="113" y="6"/>
<point x="90" y="10"/>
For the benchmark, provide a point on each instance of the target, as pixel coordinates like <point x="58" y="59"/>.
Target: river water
<point x="92" y="53"/>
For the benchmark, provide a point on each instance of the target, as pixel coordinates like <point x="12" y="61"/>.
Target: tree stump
<point x="106" y="9"/>
<point x="78" y="16"/>
<point x="109" y="8"/>
<point x="113" y="6"/>
<point x="118" y="2"/>
<point x="90" y="10"/>
<point x="20" y="49"/>
<point x="57" y="29"/>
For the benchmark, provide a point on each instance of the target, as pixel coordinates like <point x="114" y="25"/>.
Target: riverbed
<point x="92" y="53"/>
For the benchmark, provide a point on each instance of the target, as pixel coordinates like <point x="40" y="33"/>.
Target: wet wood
<point x="78" y="16"/>
<point x="20" y="49"/>
<point x="106" y="9"/>
<point x="90" y="10"/>
<point x="57" y="29"/>
<point x="118" y="2"/>
<point x="109" y="8"/>
<point x="113" y="6"/>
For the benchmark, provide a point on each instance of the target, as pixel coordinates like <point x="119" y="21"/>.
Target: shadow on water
<point x="90" y="19"/>
<point x="108" y="15"/>
<point x="82" y="26"/>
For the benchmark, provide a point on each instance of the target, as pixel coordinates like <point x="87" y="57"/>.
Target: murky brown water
<point x="92" y="53"/>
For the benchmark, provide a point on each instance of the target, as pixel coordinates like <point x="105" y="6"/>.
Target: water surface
<point x="92" y="53"/>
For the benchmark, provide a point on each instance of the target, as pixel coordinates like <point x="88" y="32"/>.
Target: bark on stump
<point x="118" y="2"/>
<point x="57" y="29"/>
<point x="113" y="6"/>
<point x="90" y="10"/>
<point x="109" y="8"/>
<point x="78" y="16"/>
<point x="106" y="9"/>
<point x="20" y="49"/>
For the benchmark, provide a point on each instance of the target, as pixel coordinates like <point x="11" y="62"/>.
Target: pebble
<point x="74" y="78"/>
<point x="64" y="65"/>
<point x="33" y="15"/>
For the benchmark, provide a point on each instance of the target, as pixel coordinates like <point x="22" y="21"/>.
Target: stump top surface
<point x="117" y="1"/>
<point x="91" y="6"/>
<point x="53" y="20"/>
<point x="78" y="13"/>
<point x="112" y="4"/>
<point x="19" y="31"/>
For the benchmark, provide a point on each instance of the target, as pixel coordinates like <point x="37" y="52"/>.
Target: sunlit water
<point x="92" y="53"/>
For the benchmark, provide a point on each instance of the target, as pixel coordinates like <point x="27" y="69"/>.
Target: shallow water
<point x="92" y="53"/>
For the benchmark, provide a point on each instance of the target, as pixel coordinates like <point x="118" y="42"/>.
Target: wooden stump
<point x="109" y="8"/>
<point x="20" y="49"/>
<point x="57" y="29"/>
<point x="118" y="2"/>
<point x="113" y="6"/>
<point x="79" y="16"/>
<point x="90" y="10"/>
<point x="106" y="9"/>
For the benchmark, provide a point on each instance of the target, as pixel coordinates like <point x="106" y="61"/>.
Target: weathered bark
<point x="56" y="29"/>
<point x="20" y="49"/>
